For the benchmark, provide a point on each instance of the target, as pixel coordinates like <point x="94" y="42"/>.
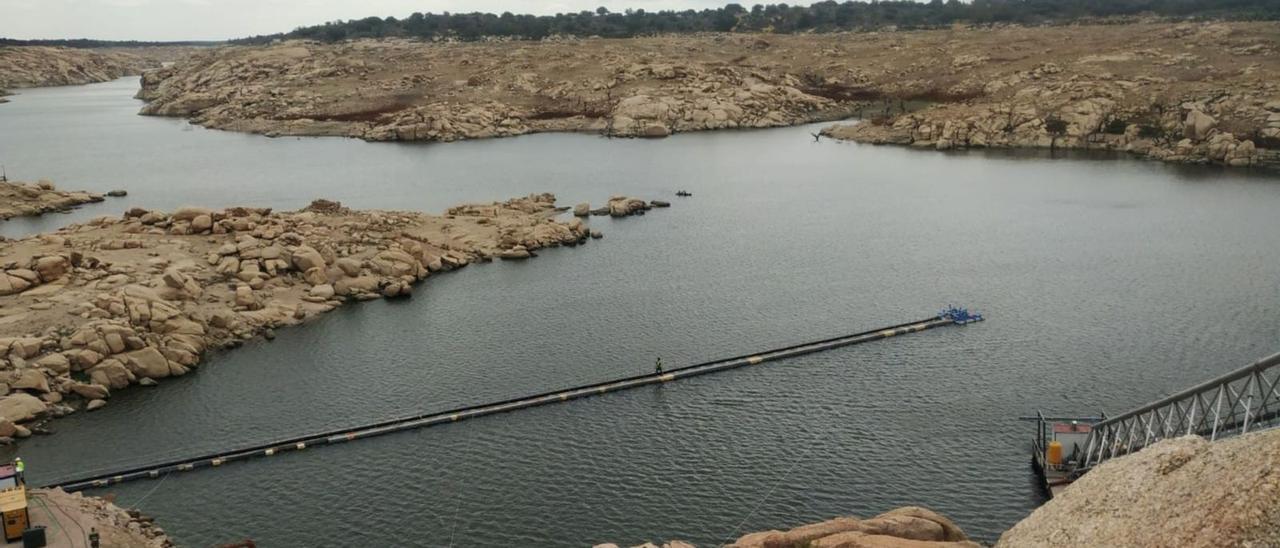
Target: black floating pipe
<point x="424" y="420"/>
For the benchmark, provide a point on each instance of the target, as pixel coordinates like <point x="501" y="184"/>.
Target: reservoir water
<point x="1107" y="282"/>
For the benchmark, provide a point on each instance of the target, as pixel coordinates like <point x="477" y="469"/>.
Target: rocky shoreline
<point x="1187" y="93"/>
<point x="19" y="199"/>
<point x="118" y="302"/>
<point x="68" y="515"/>
<point x="399" y="90"/>
<point x="41" y="66"/>
<point x="1180" y="92"/>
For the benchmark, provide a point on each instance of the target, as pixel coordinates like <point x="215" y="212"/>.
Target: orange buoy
<point x="1055" y="453"/>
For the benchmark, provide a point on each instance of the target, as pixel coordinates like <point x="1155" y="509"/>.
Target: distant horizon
<point x="222" y="20"/>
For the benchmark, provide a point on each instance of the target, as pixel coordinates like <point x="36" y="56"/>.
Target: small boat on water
<point x="684" y="193"/>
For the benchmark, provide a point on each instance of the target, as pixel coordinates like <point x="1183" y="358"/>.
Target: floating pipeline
<point x="157" y="470"/>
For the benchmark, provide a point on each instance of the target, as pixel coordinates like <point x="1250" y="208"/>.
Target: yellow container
<point x="1055" y="453"/>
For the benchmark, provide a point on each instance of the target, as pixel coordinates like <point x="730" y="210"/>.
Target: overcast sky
<point x="222" y="19"/>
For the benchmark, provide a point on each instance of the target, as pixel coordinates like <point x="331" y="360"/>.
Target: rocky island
<point x="117" y="302"/>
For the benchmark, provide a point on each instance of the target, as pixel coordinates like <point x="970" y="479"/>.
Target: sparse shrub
<point x="1055" y="126"/>
<point x="1150" y="131"/>
<point x="1115" y="126"/>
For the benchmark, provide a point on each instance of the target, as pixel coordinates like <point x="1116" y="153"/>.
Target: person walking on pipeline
<point x="657" y="367"/>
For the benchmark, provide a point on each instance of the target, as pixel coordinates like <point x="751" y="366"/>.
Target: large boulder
<point x="622" y="206"/>
<point x="51" y="267"/>
<point x="91" y="391"/>
<point x="201" y="223"/>
<point x="111" y="373"/>
<point x="12" y="285"/>
<point x="58" y="363"/>
<point x="1198" y="125"/>
<point x="29" y="379"/>
<point x="349" y="267"/>
<point x="148" y="363"/>
<point x="189" y="214"/>
<point x="306" y="258"/>
<point x="20" y="406"/>
<point x="359" y="284"/>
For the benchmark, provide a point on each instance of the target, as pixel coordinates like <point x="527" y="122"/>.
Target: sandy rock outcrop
<point x="102" y="306"/>
<point x="907" y="527"/>
<point x="398" y="90"/>
<point x="623" y="206"/>
<point x="1188" y="92"/>
<point x="37" y="66"/>
<point x="1184" y="492"/>
<point x="19" y="199"/>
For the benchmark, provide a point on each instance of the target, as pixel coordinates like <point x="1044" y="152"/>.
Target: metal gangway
<point x="1239" y="402"/>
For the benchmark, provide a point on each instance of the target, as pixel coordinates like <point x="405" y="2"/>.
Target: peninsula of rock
<point x="18" y="199"/>
<point x="116" y="302"/>
<point x="387" y="90"/>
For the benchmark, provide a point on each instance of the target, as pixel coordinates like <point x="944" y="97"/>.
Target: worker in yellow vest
<point x="19" y="467"/>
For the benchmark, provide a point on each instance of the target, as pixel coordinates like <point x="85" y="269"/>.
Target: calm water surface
<point x="1107" y="283"/>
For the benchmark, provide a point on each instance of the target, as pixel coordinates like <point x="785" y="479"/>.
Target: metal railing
<point x="1235" y="403"/>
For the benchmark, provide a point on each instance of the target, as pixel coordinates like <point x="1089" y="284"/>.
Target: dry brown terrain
<point x="1140" y="87"/>
<point x="1204" y="92"/>
<point x="401" y="90"/>
<point x="117" y="302"/>
<point x="19" y="199"/>
<point x="1185" y="492"/>
<point x="38" y="66"/>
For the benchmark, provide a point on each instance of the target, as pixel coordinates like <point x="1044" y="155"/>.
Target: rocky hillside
<point x="402" y="90"/>
<point x="1198" y="93"/>
<point x="1185" y="492"/>
<point x="37" y="66"/>
<point x="22" y="199"/>
<point x="117" y="302"/>
<point x="1181" y="92"/>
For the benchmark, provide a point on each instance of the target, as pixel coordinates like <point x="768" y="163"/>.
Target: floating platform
<point x="1059" y="441"/>
<point x="157" y="470"/>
